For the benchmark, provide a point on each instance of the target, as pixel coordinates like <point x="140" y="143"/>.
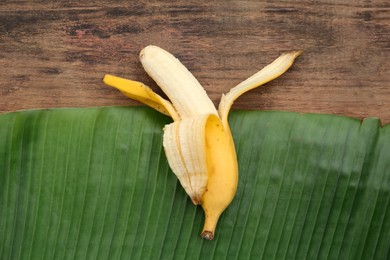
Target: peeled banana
<point x="198" y="144"/>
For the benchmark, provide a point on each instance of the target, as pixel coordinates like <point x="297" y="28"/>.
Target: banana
<point x="198" y="143"/>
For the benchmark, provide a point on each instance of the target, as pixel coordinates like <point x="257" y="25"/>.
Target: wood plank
<point x="54" y="54"/>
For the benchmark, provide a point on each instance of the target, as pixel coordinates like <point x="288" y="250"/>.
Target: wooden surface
<point x="55" y="53"/>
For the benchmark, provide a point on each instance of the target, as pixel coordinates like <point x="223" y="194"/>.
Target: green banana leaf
<point x="95" y="184"/>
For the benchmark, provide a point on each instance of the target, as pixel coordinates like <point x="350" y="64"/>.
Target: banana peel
<point x="198" y="144"/>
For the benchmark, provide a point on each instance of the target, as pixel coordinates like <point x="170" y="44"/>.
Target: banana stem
<point x="210" y="224"/>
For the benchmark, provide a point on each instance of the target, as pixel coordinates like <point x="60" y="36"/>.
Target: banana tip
<point x="109" y="79"/>
<point x="149" y="50"/>
<point x="207" y="235"/>
<point x="297" y="53"/>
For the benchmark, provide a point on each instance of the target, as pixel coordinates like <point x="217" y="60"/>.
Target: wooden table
<point x="55" y="53"/>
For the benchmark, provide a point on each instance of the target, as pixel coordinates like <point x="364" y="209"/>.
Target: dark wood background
<point x="55" y="53"/>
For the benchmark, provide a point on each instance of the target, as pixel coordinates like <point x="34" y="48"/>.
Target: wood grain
<point x="55" y="53"/>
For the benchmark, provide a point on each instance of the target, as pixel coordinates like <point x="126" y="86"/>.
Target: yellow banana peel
<point x="198" y="144"/>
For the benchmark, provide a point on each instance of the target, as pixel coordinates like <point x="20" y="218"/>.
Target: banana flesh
<point x="182" y="88"/>
<point x="198" y="144"/>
